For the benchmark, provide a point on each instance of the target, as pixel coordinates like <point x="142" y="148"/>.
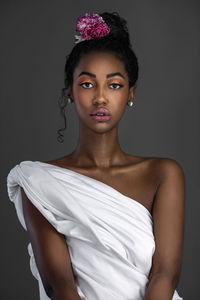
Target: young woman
<point x="103" y="224"/>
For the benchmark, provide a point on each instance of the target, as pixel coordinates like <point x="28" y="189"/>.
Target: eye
<point x="116" y="86"/>
<point x="85" y="85"/>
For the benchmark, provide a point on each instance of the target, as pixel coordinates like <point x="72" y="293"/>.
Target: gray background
<point x="35" y="37"/>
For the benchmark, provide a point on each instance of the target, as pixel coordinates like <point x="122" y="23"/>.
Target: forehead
<point x="100" y="63"/>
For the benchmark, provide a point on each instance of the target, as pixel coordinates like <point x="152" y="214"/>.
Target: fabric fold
<point x="109" y="235"/>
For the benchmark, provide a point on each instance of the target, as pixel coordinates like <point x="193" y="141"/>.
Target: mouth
<point x="100" y="117"/>
<point x="100" y="114"/>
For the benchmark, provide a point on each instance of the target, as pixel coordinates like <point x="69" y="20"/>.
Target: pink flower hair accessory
<point x="91" y="26"/>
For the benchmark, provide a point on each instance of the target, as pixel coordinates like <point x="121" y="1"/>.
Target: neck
<point x="101" y="150"/>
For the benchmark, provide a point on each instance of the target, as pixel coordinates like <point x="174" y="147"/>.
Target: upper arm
<point x="49" y="247"/>
<point x="168" y="221"/>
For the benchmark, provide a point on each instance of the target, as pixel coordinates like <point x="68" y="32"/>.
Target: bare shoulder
<point x="169" y="167"/>
<point x="160" y="160"/>
<point x="164" y="166"/>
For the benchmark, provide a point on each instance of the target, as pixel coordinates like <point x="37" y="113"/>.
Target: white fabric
<point x="109" y="235"/>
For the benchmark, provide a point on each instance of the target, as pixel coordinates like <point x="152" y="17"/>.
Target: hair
<point x="116" y="42"/>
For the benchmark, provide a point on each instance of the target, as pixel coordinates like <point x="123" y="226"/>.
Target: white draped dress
<point x="109" y="235"/>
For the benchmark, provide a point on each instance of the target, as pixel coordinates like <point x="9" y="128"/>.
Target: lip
<point x="100" y="111"/>
<point x="100" y="118"/>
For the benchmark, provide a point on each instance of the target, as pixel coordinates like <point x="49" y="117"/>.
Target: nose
<point x="100" y="96"/>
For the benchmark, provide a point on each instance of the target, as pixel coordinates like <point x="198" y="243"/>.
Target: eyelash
<point x="120" y="85"/>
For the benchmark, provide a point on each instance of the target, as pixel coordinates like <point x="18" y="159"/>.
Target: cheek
<point x="118" y="98"/>
<point x="81" y="94"/>
<point x="81" y="99"/>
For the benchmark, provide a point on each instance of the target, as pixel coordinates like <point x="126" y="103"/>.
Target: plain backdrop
<point x="35" y="37"/>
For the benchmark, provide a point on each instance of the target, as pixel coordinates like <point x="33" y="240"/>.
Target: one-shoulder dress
<point x="109" y="235"/>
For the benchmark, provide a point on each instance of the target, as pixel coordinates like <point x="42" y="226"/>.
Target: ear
<point x="70" y="92"/>
<point x="131" y="93"/>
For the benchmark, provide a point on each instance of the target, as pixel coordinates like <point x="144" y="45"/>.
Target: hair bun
<point x="118" y="27"/>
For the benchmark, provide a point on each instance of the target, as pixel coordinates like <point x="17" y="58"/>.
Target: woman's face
<point x="100" y="81"/>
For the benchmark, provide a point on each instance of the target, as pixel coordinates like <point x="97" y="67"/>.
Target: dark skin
<point x="157" y="183"/>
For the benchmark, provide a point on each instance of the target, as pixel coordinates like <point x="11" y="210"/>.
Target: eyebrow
<point x="107" y="76"/>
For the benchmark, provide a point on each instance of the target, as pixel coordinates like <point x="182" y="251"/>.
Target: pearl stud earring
<point x="130" y="103"/>
<point x="69" y="100"/>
